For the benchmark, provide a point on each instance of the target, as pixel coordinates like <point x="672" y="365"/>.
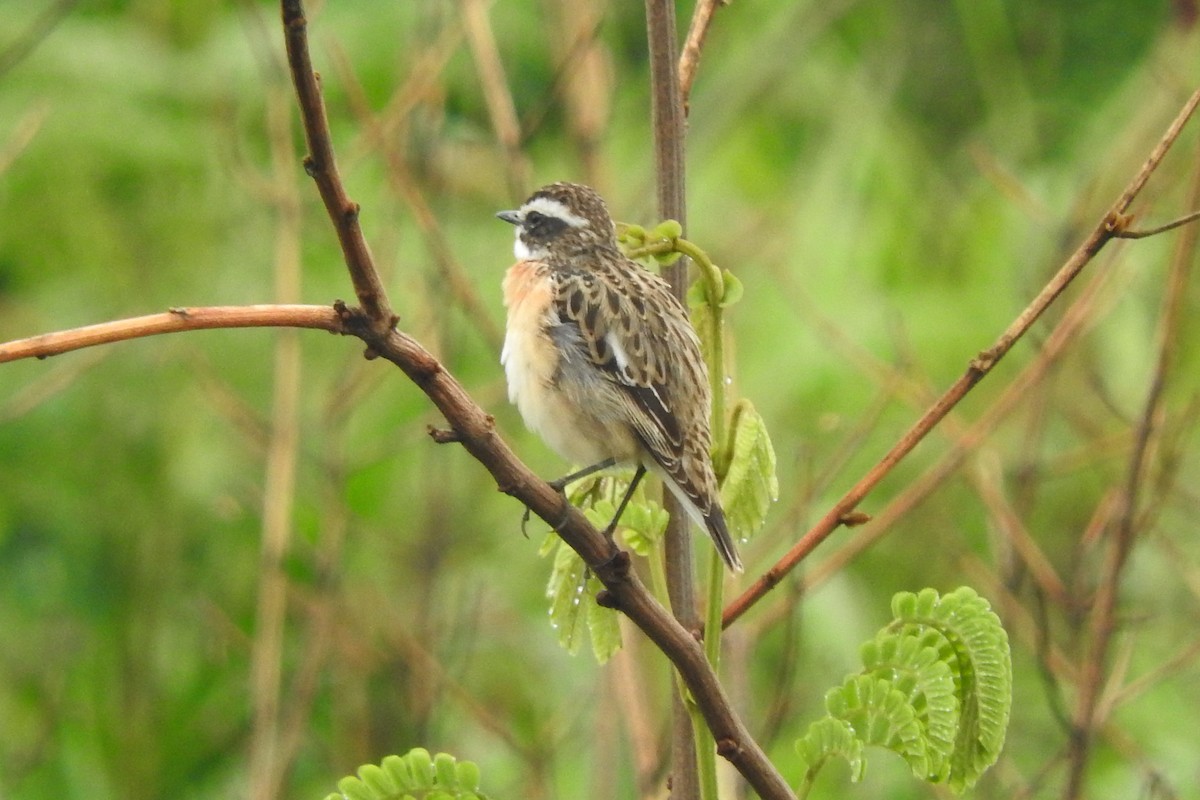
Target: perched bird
<point x="601" y="359"/>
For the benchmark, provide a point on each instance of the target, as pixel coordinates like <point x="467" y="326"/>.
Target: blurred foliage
<point x="891" y="181"/>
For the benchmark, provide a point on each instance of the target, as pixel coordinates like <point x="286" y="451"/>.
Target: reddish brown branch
<point x="1108" y="228"/>
<point x="173" y="321"/>
<point x="322" y="168"/>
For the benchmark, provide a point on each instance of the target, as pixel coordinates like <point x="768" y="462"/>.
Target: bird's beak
<point x="511" y="217"/>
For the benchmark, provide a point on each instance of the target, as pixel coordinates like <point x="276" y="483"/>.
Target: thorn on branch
<point x="310" y="167"/>
<point x="351" y="211"/>
<point x="606" y="599"/>
<point x="178" y="311"/>
<point x="443" y="435"/>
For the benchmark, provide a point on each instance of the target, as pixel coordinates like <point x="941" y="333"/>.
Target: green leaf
<point x="352" y="788"/>
<point x="571" y="590"/>
<point x="880" y="715"/>
<point x="467" y="776"/>
<point x="972" y="642"/>
<point x="913" y="665"/>
<point x="603" y="626"/>
<point x="420" y="766"/>
<point x="445" y="775"/>
<point x="733" y="289"/>
<point x="631" y="235"/>
<point x="827" y="738"/>
<point x="565" y="590"/>
<point x="643" y="525"/>
<point x="750" y="485"/>
<point x="399" y="770"/>
<point x="667" y="229"/>
<point x="378" y="781"/>
<point x="413" y="776"/>
<point x="668" y="258"/>
<point x="697" y="297"/>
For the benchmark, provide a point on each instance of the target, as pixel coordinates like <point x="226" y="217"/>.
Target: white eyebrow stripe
<point x="553" y="208"/>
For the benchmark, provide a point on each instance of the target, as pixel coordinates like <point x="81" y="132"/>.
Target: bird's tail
<point x="714" y="523"/>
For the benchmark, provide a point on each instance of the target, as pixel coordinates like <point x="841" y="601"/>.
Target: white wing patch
<point x="622" y="357"/>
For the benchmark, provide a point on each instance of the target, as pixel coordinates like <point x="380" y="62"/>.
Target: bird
<point x="601" y="358"/>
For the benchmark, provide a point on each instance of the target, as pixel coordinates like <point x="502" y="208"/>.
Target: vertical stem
<point x="267" y="764"/>
<point x="668" y="126"/>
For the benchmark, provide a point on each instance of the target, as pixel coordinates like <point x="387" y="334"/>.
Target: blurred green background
<point x="892" y="180"/>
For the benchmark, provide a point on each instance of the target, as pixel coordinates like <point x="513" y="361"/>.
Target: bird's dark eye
<point x="543" y="226"/>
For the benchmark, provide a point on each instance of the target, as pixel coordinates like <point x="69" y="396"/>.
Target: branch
<point x="689" y="59"/>
<point x="176" y="320"/>
<point x="1109" y="227"/>
<point x="475" y="429"/>
<point x="667" y="124"/>
<point x="322" y="168"/>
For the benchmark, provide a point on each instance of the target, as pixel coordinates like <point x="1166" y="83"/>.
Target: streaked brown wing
<point x="625" y="340"/>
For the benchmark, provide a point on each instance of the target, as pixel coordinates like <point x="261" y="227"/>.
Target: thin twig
<point x="1112" y="222"/>
<point x="1142" y="234"/>
<point x="1103" y="621"/>
<point x="689" y="59"/>
<point x="174" y="321"/>
<point x="499" y="99"/>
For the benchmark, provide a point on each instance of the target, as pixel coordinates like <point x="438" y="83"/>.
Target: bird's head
<point x="560" y="218"/>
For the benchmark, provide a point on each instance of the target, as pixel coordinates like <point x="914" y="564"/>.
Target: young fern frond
<point x="413" y="776"/>
<point x="936" y="689"/>
<point x="976" y="648"/>
<point x="913" y="666"/>
<point x="831" y="738"/>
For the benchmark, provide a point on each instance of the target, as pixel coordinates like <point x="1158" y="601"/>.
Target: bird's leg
<point x="562" y="483"/>
<point x="633" y="484"/>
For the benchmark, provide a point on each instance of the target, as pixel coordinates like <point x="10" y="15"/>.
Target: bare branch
<point x="322" y="168"/>
<point x="174" y="321"/>
<point x="689" y="59"/>
<point x="980" y="366"/>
